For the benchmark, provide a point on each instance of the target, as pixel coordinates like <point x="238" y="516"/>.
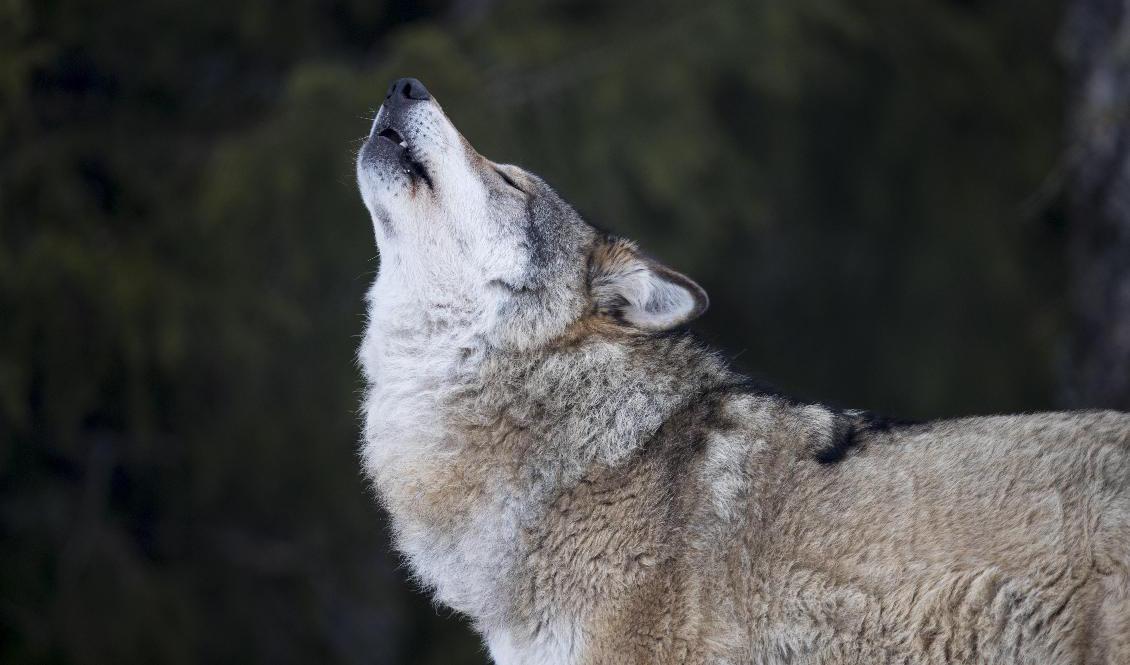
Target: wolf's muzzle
<point x="389" y="139"/>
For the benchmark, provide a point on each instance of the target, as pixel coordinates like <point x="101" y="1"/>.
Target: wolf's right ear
<point x="634" y="289"/>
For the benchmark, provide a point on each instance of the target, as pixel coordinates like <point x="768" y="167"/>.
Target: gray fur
<point x="592" y="488"/>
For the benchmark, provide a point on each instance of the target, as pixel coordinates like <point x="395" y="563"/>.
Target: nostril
<point x="405" y="89"/>
<point x="411" y="88"/>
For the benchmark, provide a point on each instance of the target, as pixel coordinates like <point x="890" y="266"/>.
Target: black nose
<point x="406" y="89"/>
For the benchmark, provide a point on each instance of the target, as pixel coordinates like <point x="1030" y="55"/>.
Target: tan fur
<point x="881" y="560"/>
<point x="995" y="540"/>
<point x="591" y="487"/>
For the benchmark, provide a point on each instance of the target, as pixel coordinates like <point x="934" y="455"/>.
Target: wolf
<point x="569" y="468"/>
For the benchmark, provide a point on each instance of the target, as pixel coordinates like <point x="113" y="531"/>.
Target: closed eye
<point x="509" y="181"/>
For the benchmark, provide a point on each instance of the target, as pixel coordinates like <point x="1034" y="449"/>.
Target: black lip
<point x="390" y="134"/>
<point x="384" y="132"/>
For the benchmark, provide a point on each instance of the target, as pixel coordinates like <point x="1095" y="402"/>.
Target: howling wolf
<point x="590" y="485"/>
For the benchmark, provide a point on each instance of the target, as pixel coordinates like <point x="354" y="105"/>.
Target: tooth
<point x="403" y="144"/>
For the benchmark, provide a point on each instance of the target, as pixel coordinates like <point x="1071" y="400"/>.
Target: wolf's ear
<point x="639" y="291"/>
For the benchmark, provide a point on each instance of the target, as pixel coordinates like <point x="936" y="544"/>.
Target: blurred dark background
<point x="913" y="206"/>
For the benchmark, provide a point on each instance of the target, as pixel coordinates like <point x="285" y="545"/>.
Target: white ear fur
<point x="642" y="292"/>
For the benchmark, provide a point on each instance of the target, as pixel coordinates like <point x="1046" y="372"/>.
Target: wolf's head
<point x="493" y="242"/>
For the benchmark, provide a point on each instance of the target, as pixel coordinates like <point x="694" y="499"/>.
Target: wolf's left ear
<point x="639" y="291"/>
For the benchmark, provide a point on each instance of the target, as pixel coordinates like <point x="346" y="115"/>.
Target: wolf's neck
<point x="468" y="445"/>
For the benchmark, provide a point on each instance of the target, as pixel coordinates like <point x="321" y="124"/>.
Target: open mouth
<point x="390" y="134"/>
<point x="405" y="157"/>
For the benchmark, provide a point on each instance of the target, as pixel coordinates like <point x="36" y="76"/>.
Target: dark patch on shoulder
<point x="682" y="437"/>
<point x="855" y="429"/>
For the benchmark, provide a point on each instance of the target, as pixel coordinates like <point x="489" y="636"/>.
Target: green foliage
<point x="183" y="256"/>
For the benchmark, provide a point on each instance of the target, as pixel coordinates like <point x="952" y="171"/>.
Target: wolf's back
<point x="994" y="539"/>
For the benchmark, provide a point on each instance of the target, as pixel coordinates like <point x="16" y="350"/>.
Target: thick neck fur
<point x="590" y="492"/>
<point x="468" y="443"/>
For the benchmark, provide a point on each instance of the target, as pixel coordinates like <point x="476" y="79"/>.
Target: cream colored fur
<point x="590" y="488"/>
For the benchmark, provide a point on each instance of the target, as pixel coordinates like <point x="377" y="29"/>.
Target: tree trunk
<point x="1097" y="42"/>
